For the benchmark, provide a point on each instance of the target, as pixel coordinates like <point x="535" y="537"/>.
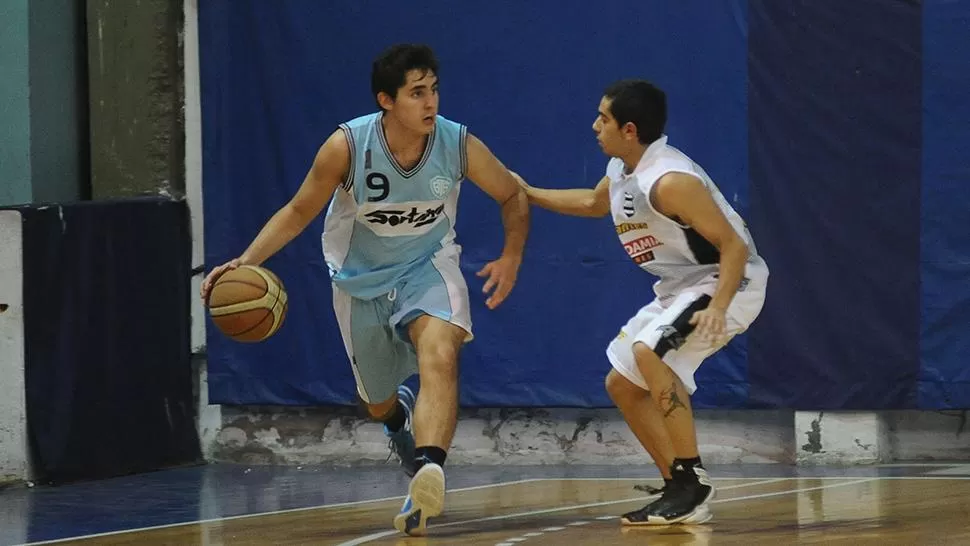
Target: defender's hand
<point x="710" y="325"/>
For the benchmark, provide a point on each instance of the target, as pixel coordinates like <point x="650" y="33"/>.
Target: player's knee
<point x="438" y="362"/>
<point x="621" y="389"/>
<point x="614" y="387"/>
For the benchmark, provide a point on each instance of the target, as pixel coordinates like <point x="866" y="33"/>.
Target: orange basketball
<point x="248" y="303"/>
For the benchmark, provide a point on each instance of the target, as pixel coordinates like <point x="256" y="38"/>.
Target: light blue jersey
<point x="384" y="221"/>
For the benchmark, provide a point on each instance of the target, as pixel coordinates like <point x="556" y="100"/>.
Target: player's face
<point x="607" y="131"/>
<point x="416" y="103"/>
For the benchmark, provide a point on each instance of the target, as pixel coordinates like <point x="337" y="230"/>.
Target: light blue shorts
<point x="375" y="331"/>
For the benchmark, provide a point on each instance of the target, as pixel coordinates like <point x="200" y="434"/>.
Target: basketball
<point x="248" y="303"/>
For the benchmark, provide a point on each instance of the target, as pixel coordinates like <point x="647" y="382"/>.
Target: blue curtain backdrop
<point x="837" y="128"/>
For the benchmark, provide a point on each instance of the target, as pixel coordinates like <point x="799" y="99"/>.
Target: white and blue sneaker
<point x="425" y="500"/>
<point x="401" y="443"/>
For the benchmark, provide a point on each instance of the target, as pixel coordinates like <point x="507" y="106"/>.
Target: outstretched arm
<point x="330" y="167"/>
<point x="574" y="202"/>
<point x="488" y="173"/>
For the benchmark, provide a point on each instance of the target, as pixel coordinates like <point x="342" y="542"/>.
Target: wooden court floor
<point x="747" y="511"/>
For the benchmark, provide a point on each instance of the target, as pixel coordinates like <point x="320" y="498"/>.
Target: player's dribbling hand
<point x="710" y="325"/>
<point x="501" y="275"/>
<point x="214" y="275"/>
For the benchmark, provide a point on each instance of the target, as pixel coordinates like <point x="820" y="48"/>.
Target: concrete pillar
<point x="210" y="415"/>
<point x="14" y="458"/>
<point x="136" y="98"/>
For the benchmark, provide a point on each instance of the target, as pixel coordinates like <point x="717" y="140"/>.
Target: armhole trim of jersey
<point x="463" y="152"/>
<point x="348" y="184"/>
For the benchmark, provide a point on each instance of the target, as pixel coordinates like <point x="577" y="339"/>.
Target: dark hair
<point x="390" y="69"/>
<point x="641" y="103"/>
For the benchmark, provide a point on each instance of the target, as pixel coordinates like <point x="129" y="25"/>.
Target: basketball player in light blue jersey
<point x="392" y="180"/>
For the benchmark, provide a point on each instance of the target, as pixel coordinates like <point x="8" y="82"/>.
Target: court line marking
<point x="316" y="507"/>
<point x="915" y="465"/>
<point x="748" y="497"/>
<point x="722" y="478"/>
<point x="472" y="488"/>
<point x="257" y="514"/>
<point x="955" y="470"/>
<point x="385" y="534"/>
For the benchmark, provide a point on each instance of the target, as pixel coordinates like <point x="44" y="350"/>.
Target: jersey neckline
<point x="393" y="160"/>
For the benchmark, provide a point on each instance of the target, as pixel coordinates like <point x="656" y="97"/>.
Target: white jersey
<point x="674" y="252"/>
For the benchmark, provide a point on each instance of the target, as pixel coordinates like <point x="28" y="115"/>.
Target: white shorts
<point x="663" y="327"/>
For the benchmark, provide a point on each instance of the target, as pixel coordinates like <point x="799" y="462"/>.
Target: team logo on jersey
<point x="628" y="209"/>
<point x="639" y="246"/>
<point x="630" y="226"/>
<point x="400" y="219"/>
<point x="440" y="186"/>
<point x="640" y="249"/>
<point x="414" y="217"/>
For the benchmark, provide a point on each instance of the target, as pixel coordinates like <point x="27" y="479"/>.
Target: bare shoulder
<point x="677" y="186"/>
<point x="333" y="158"/>
<point x="475" y="147"/>
<point x="675" y="191"/>
<point x="487" y="172"/>
<point x="335" y="146"/>
<point x="674" y="182"/>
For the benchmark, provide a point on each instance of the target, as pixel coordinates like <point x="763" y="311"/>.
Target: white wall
<point x="295" y="436"/>
<point x="193" y="161"/>
<point x="14" y="461"/>
<point x="210" y="417"/>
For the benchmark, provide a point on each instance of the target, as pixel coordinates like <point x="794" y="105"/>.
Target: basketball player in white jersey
<point x="400" y="298"/>
<point x="674" y="223"/>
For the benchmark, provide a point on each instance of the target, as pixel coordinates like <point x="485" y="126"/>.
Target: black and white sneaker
<point x="685" y="500"/>
<point x="649" y="489"/>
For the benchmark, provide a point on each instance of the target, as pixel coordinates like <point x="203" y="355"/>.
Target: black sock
<point x="668" y="481"/>
<point x="689" y="463"/>
<point x="686" y="467"/>
<point x="429" y="454"/>
<point x="396" y="419"/>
